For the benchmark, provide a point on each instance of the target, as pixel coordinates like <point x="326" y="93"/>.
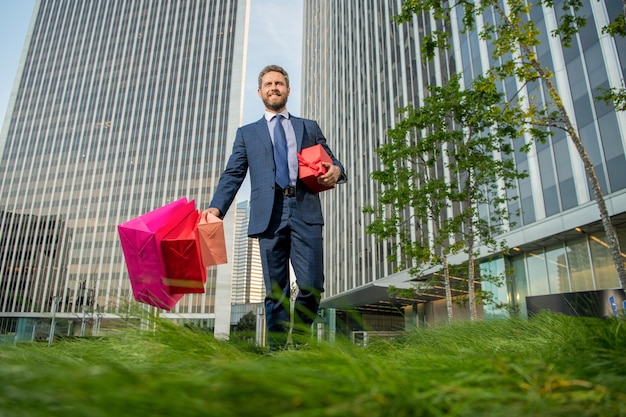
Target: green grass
<point x="550" y="365"/>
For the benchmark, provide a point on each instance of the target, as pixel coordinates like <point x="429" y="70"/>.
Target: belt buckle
<point x="289" y="191"/>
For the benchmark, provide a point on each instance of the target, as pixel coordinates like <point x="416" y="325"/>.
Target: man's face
<point x="274" y="91"/>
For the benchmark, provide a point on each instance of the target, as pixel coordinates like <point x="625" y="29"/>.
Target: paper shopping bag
<point x="212" y="242"/>
<point x="181" y="253"/>
<point x="310" y="167"/>
<point x="141" y="244"/>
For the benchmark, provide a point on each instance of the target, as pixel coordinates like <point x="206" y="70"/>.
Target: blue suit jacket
<point x="253" y="150"/>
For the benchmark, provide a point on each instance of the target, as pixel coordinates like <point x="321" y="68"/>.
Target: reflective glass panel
<point x="557" y="269"/>
<point x="603" y="267"/>
<point x="520" y="285"/>
<point x="580" y="269"/>
<point x="537" y="273"/>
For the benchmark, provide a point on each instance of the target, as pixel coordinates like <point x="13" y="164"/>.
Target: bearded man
<point x="285" y="215"/>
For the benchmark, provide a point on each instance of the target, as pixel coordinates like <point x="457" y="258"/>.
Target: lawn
<point x="550" y="365"/>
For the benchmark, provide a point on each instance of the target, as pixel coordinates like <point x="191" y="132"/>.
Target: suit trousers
<point x="289" y="238"/>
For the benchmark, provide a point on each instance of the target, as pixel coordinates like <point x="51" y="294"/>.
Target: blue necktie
<point x="280" y="154"/>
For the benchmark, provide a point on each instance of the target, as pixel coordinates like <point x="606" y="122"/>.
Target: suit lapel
<point x="264" y="134"/>
<point x="298" y="128"/>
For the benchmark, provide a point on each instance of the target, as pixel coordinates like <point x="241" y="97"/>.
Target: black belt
<point x="287" y="191"/>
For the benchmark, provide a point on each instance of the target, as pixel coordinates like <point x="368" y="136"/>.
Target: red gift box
<point x="310" y="167"/>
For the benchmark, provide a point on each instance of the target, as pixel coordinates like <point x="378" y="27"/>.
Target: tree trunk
<point x="471" y="294"/>
<point x="446" y="277"/>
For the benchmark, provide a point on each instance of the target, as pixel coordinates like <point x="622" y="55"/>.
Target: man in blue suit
<point x="285" y="215"/>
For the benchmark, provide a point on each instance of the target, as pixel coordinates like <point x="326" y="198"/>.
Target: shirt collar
<point x="269" y="115"/>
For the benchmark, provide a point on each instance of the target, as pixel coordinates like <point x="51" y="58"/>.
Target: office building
<point x="247" y="280"/>
<point x="360" y="68"/>
<point x="117" y="108"/>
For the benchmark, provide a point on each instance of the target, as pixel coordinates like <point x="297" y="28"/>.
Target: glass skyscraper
<point x="360" y="67"/>
<point x="247" y="279"/>
<point x="119" y="107"/>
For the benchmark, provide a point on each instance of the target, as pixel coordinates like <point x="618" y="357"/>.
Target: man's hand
<point x="211" y="210"/>
<point x="331" y="177"/>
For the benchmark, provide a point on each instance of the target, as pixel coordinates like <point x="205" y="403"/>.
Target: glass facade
<point x="360" y="67"/>
<point x="119" y="108"/>
<point x="582" y="263"/>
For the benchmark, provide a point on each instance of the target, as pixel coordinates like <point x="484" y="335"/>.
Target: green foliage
<point x="569" y="23"/>
<point x="515" y="37"/>
<point x="617" y="96"/>
<point x="244" y="333"/>
<point x="549" y="365"/>
<point x="247" y="323"/>
<point x="395" y="292"/>
<point x="410" y="8"/>
<point x="618" y="26"/>
<point x="466" y="134"/>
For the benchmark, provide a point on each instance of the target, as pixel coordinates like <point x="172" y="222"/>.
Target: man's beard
<point x="276" y="105"/>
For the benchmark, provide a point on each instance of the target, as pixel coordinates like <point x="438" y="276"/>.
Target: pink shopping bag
<point x="212" y="241"/>
<point x="141" y="244"/>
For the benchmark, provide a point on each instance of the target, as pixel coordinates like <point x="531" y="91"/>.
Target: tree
<point x="453" y="154"/>
<point x="247" y="323"/>
<point x="515" y="38"/>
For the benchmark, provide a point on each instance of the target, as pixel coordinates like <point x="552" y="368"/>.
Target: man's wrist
<point x="342" y="177"/>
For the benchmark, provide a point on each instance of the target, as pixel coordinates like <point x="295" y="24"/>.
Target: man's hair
<point x="273" y="68"/>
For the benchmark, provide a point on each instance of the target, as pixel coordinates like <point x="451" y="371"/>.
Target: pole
<point x="55" y="303"/>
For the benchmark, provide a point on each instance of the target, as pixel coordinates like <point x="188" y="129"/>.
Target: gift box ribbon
<point x="315" y="165"/>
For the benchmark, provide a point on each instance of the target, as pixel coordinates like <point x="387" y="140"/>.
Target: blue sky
<point x="275" y="37"/>
<point x="14" y="20"/>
